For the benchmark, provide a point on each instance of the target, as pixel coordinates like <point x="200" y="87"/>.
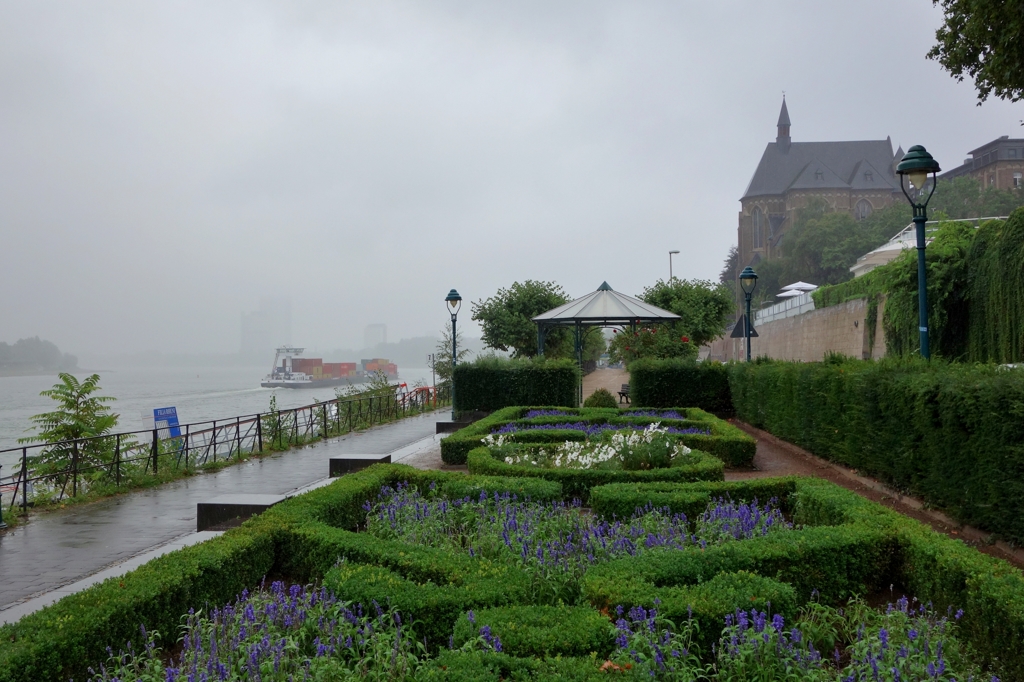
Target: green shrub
<point x="667" y="383"/>
<point x="541" y="631"/>
<point x="727" y="442"/>
<point x="536" y="490"/>
<point x="491" y="383"/>
<point x="622" y="500"/>
<point x="842" y="545"/>
<point x="948" y="433"/>
<point x="601" y="398"/>
<point x="577" y="483"/>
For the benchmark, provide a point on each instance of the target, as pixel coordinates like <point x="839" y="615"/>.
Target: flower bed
<point x="480" y="610"/>
<point x="542" y="425"/>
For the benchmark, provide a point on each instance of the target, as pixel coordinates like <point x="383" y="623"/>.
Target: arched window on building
<point x="862" y="210"/>
<point x="757" y="221"/>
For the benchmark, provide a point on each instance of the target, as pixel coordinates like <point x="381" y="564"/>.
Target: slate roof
<point x="863" y="164"/>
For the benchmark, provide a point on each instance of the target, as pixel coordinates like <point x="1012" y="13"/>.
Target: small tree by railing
<point x="123" y="460"/>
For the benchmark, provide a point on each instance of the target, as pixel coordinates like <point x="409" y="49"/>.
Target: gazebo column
<point x="578" y="337"/>
<point x="540" y="339"/>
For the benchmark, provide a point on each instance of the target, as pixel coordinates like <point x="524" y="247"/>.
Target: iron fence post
<point x="259" y="431"/>
<point x="74" y="468"/>
<point x="117" y="460"/>
<point x="24" y="480"/>
<point x="215" y="441"/>
<point x="238" y="437"/>
<point x="278" y="430"/>
<point x="156" y="451"/>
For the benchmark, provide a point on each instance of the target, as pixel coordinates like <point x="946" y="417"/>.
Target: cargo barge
<point x="292" y="371"/>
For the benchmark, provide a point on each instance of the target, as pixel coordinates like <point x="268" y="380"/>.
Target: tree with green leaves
<point x="703" y="307"/>
<point x="441" y="363"/>
<point x="79" y="414"/>
<point x="981" y="39"/>
<point x="506" y="319"/>
<point x="660" y="342"/>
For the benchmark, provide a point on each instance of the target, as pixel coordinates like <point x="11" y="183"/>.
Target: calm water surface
<point x="199" y="393"/>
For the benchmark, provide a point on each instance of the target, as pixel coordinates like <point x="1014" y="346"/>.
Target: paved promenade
<point x="57" y="548"/>
<point x="610" y="379"/>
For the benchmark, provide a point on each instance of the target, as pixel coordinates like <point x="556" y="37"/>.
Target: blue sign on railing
<point x="166" y="420"/>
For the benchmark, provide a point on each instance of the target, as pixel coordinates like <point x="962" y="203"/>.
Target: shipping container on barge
<point x="292" y="371"/>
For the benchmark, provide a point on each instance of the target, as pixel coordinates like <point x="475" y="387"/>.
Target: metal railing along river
<point x="55" y="471"/>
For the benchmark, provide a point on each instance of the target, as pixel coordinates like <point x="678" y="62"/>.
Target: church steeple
<point x="783" y="138"/>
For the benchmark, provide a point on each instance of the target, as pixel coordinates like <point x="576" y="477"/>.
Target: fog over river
<point x="199" y="394"/>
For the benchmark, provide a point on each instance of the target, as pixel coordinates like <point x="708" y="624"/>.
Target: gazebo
<point x="602" y="308"/>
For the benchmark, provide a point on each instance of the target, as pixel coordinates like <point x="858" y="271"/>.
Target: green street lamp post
<point x="916" y="166"/>
<point x="2" y="524"/>
<point x="748" y="282"/>
<point x="454" y="302"/>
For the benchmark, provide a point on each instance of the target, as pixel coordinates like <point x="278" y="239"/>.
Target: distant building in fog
<point x="999" y="164"/>
<point x="856" y="176"/>
<point x="267" y="328"/>
<point x="374" y="334"/>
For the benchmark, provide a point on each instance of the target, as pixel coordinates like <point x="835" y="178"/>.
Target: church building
<point x="859" y="177"/>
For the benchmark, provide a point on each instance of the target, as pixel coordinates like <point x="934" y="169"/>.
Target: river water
<point x="198" y="393"/>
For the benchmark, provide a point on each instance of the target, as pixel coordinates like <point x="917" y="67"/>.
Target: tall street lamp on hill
<point x="916" y="166"/>
<point x="670" y="254"/>
<point x="748" y="282"/>
<point x="454" y="302"/>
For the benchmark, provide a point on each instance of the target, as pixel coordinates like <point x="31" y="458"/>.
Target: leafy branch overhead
<point x="981" y="39"/>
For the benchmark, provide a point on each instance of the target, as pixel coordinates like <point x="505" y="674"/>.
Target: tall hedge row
<point x="490" y="384"/>
<point x="674" y="382"/>
<point x="951" y="434"/>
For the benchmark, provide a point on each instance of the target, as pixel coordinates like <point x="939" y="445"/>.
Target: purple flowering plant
<point x="652" y="647"/>
<point x="283" y="633"/>
<point x="533" y="414"/>
<point x="657" y="414"/>
<point x="592" y="429"/>
<point x="905" y="642"/>
<point x="554" y="542"/>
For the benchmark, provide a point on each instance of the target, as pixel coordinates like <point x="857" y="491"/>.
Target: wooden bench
<point x="624" y="393"/>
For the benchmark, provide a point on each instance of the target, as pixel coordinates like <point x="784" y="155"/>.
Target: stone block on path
<point x="346" y="464"/>
<point x="227" y="511"/>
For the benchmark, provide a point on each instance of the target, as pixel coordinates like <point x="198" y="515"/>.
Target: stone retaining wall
<point x="808" y="337"/>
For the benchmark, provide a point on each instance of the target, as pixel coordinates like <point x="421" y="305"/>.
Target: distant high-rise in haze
<point x="267" y="328"/>
<point x="374" y="334"/>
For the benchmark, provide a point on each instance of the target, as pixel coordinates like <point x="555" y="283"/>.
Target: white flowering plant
<point x="628" y="449"/>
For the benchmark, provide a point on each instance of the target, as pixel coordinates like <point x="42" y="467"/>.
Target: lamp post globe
<point x="454" y="302"/>
<point x="915" y="167"/>
<point x="748" y="282"/>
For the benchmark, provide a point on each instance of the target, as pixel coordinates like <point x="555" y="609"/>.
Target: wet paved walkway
<point x="607" y="378"/>
<point x="58" y="548"/>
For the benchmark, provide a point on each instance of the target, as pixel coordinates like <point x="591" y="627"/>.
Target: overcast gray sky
<point x="166" y="164"/>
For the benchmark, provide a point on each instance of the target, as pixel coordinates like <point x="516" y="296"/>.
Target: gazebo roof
<point x="605" y="307"/>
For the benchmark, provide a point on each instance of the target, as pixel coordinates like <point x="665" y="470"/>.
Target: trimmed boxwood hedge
<point x="492" y="383"/>
<point x="844" y="544"/>
<point x="577" y="483"/>
<point x="541" y="630"/>
<point x="669" y="382"/>
<point x="951" y="434"/>
<point x="727" y="442"/>
<point x="621" y="500"/>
